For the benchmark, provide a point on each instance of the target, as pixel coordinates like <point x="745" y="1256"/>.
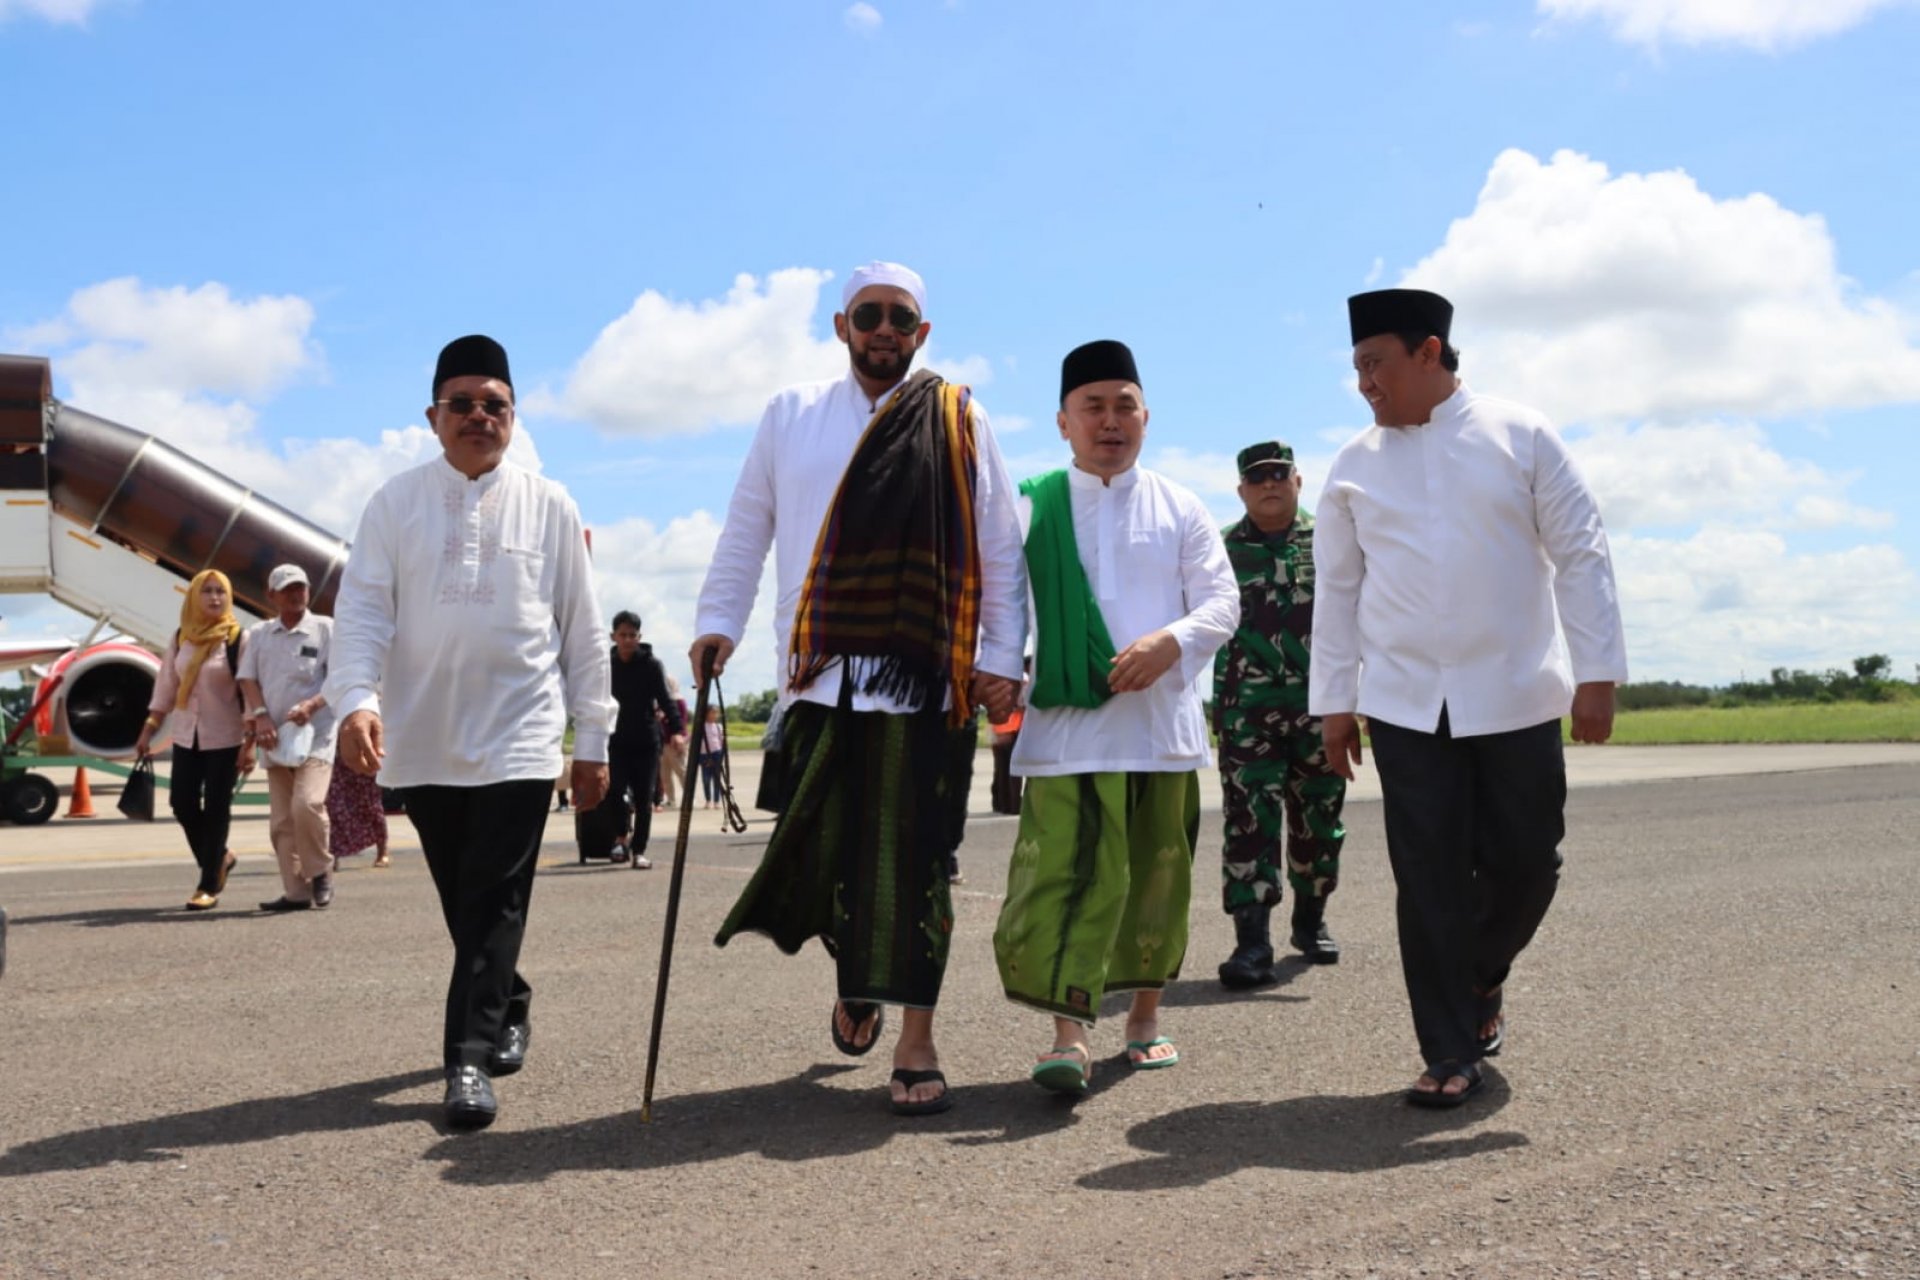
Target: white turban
<point x="889" y="273"/>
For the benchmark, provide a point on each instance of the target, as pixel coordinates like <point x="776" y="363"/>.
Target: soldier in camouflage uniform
<point x="1273" y="771"/>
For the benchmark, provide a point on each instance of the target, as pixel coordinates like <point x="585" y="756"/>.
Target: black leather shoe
<point x="470" y="1102"/>
<point x="322" y="891"/>
<point x="284" y="903"/>
<point x="512" y="1053"/>
<point x="1251" y="964"/>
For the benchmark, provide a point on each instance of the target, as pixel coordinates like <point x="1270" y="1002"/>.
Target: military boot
<point x="1310" y="936"/>
<point x="1251" y="964"/>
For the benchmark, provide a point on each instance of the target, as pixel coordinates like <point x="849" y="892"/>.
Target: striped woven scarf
<point x="893" y="588"/>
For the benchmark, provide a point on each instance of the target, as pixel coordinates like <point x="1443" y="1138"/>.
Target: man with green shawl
<point x="1132" y="594"/>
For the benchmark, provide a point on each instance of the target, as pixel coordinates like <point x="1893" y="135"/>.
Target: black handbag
<point x="136" y="798"/>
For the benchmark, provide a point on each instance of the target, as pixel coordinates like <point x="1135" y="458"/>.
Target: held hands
<point x="720" y="648"/>
<point x="589" y="782"/>
<point x="999" y="695"/>
<point x="1138" y="665"/>
<point x="1340" y="734"/>
<point x="363" y="743"/>
<point x="1593" y="711"/>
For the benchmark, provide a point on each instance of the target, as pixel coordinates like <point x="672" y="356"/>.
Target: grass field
<point x="1801" y="722"/>
<point x="1789" y="722"/>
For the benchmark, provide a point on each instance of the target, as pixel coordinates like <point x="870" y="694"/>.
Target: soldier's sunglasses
<point x="866" y="318"/>
<point x="1273" y="472"/>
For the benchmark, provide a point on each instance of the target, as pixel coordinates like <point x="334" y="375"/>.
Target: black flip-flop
<point x="932" y="1106"/>
<point x="1442" y="1073"/>
<point x="858" y="1011"/>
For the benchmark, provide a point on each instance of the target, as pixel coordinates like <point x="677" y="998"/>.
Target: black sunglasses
<point x="1268" y="471"/>
<point x="493" y="406"/>
<point x="866" y="317"/>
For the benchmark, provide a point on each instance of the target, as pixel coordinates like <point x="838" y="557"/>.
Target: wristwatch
<point x="256" y="712"/>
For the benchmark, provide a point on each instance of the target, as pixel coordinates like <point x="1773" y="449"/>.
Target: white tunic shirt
<point x="1154" y="559"/>
<point x="290" y="666"/>
<point x="1463" y="563"/>
<point x="467" y="619"/>
<point x="792" y="472"/>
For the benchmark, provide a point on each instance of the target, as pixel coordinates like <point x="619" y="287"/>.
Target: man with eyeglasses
<point x="901" y="605"/>
<point x="1276" y="785"/>
<point x="466" y="634"/>
<point x="1466" y="603"/>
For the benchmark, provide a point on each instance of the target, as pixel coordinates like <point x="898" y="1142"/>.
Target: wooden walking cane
<point x="673" y="887"/>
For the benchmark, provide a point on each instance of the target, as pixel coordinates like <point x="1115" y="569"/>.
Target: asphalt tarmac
<point x="1713" y="1070"/>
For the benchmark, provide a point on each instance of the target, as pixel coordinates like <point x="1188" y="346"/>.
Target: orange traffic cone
<point x="81" y="805"/>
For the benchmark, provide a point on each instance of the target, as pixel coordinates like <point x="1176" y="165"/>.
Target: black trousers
<point x="482" y="844"/>
<point x="1473" y="831"/>
<point x="634" y="769"/>
<point x="200" y="793"/>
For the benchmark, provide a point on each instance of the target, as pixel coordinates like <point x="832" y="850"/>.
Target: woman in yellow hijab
<point x="197" y="697"/>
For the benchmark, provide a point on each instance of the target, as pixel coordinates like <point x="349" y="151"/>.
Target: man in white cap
<point x="282" y="670"/>
<point x="902" y="605"/>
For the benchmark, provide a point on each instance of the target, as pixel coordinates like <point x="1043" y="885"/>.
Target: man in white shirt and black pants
<point x="466" y="634"/>
<point x="1466" y="600"/>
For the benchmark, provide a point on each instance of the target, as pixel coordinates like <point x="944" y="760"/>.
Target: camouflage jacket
<point x="1264" y="666"/>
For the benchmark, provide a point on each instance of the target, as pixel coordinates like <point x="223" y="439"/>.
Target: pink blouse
<point x="211" y="719"/>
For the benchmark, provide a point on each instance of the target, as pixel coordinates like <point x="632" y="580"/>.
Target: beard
<point x="889" y="366"/>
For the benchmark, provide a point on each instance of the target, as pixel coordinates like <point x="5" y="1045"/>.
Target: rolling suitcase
<point x="593" y="831"/>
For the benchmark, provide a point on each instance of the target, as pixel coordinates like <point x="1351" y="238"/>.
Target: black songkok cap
<point x="1102" y="361"/>
<point x="474" y="356"/>
<point x="1398" y="311"/>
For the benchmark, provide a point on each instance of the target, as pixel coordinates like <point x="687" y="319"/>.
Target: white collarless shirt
<point x="467" y="619"/>
<point x="1154" y="558"/>
<point x="792" y="472"/>
<point x="1461" y="563"/>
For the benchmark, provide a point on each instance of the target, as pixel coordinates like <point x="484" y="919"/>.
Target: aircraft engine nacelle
<point x="101" y="700"/>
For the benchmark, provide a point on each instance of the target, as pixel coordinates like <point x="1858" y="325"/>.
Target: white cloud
<point x="1726" y="602"/>
<point x="1756" y="24"/>
<point x="657" y="572"/>
<point x="71" y="12"/>
<point x="668" y="367"/>
<point x="190" y="367"/>
<point x="862" y="17"/>
<point x="1663" y="477"/>
<point x="1598" y="297"/>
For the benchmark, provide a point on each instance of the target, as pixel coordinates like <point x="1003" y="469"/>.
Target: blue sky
<point x="1681" y="227"/>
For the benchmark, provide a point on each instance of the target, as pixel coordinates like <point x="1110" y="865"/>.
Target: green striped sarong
<point x="1097" y="889"/>
<point x="858" y="857"/>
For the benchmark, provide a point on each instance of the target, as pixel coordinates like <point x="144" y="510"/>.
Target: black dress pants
<point x="482" y="845"/>
<point x="200" y="793"/>
<point x="1473" y="831"/>
<point x="636" y="770"/>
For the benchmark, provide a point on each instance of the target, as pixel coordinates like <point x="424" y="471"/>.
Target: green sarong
<point x="1097" y="889"/>
<point x="858" y="857"/>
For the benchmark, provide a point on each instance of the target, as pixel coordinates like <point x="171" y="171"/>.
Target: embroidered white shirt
<point x="1154" y="558"/>
<point x="467" y="619"/>
<point x="1461" y="562"/>
<point x="792" y="472"/>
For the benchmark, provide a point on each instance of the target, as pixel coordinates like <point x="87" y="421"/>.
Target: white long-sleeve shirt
<point x="467" y="619"/>
<point x="793" y="469"/>
<point x="1155" y="559"/>
<point x="1461" y="562"/>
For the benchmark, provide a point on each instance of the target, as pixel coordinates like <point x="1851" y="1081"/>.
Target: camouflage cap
<point x="1259" y="455"/>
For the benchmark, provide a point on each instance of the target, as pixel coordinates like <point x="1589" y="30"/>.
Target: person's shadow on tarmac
<point x="360" y="1105"/>
<point x="1317" y="1135"/>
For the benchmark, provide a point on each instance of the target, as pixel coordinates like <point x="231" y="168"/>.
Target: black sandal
<point x="932" y="1106"/>
<point x="1442" y="1073"/>
<point x="858" y="1011"/>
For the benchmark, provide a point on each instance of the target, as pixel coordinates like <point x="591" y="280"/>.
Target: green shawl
<point x="1074" y="651"/>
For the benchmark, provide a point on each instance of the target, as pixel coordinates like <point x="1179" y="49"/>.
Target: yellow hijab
<point x="204" y="636"/>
